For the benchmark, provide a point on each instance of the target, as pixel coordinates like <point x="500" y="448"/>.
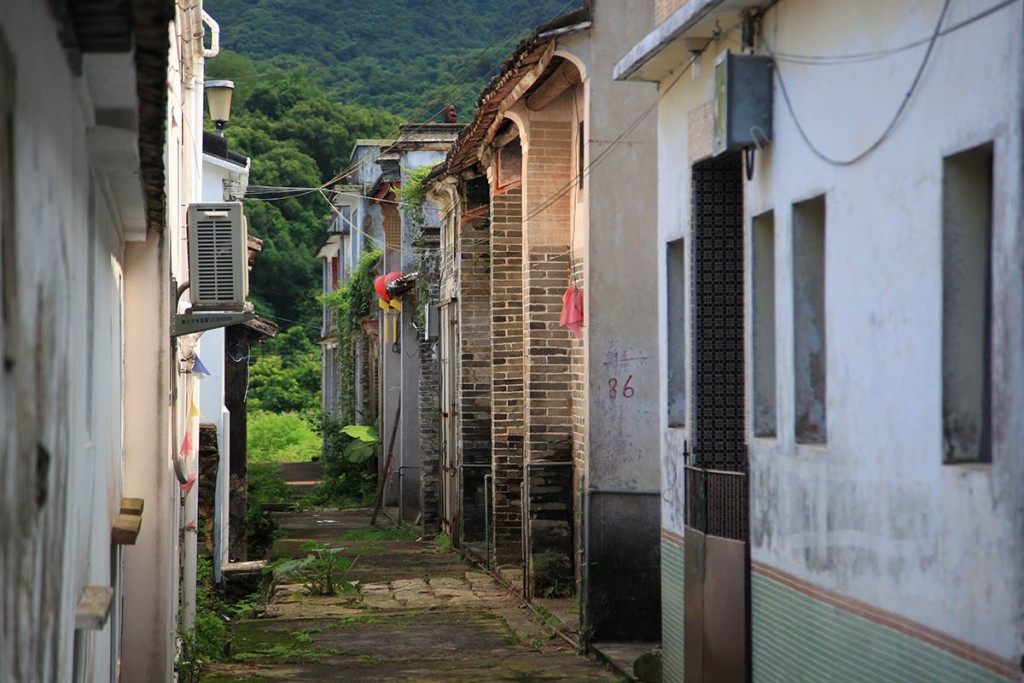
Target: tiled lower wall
<point x="672" y="608"/>
<point x="797" y="639"/>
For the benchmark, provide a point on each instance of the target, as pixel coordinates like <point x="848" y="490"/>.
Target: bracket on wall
<point x="190" y="323"/>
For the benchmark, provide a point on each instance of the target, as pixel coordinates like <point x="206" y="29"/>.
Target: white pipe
<point x="214" y="36"/>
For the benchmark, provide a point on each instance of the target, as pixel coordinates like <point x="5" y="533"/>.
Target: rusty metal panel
<point x="725" y="615"/>
<point x="693" y="610"/>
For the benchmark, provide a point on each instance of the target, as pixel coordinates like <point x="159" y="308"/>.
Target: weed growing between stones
<point x="323" y="569"/>
<point x="442" y="542"/>
<point x="209" y="640"/>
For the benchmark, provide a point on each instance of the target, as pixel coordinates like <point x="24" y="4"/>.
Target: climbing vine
<point x="343" y="477"/>
<point x="413" y="193"/>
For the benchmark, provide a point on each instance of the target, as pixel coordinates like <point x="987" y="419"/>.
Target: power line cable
<point x="857" y="57"/>
<point x="835" y="161"/>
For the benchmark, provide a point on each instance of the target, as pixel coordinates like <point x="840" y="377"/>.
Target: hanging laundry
<point x="186" y="445"/>
<point x="572" y="311"/>
<point x="187" y="486"/>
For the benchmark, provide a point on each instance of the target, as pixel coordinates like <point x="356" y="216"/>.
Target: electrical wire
<point x="835" y="161"/>
<point x="545" y="205"/>
<point x="857" y="57"/>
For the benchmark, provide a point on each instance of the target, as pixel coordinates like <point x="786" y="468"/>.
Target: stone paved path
<point x="423" y="614"/>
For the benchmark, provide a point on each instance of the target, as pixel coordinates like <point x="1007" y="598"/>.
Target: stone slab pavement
<point x="422" y="614"/>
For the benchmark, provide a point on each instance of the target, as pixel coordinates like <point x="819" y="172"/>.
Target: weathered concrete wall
<point x="873" y="514"/>
<point x="881" y="518"/>
<point x="52" y="234"/>
<point x="615" y="239"/>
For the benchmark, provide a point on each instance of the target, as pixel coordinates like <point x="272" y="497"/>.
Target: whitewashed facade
<point x="880" y="546"/>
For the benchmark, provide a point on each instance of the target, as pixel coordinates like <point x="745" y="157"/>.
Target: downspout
<point x="193" y="172"/>
<point x="214" y="48"/>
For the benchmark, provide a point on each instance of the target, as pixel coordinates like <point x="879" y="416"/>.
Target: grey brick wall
<point x="507" y="415"/>
<point x="474" y="362"/>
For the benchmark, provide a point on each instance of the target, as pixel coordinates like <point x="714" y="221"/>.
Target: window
<point x="675" y="273"/>
<point x="809" y="341"/>
<point x="510" y="163"/>
<point x="966" y="304"/>
<point x="392" y="228"/>
<point x="763" y="238"/>
<point x="344" y="218"/>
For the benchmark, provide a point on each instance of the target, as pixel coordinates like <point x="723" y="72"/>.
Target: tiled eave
<point x="668" y="46"/>
<point x="524" y="58"/>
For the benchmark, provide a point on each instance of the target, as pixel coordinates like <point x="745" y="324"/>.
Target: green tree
<point x="286" y="374"/>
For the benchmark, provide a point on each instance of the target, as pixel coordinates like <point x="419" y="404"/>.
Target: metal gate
<point x="717" y="556"/>
<point x="448" y="354"/>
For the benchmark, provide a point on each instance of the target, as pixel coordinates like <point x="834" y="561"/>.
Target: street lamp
<point x="218" y="94"/>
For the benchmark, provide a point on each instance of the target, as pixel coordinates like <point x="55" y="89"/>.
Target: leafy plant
<point x="363" y="444"/>
<point x="323" y="569"/>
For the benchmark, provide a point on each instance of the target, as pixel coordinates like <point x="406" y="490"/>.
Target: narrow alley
<point x="419" y="613"/>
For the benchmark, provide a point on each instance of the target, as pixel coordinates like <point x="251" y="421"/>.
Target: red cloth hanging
<point x="572" y="311"/>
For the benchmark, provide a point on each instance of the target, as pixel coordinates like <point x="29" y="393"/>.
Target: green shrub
<point x="265" y="486"/>
<point x="281" y="437"/>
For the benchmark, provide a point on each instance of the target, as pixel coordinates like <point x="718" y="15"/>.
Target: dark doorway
<point x="717" y="565"/>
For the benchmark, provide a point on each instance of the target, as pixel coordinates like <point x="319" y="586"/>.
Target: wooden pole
<point x="379" y="503"/>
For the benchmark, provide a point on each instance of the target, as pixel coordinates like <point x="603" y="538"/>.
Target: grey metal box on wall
<point x="217" y="257"/>
<point x="743" y="101"/>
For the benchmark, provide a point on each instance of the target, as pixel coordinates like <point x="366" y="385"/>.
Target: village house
<point x="368" y="215"/>
<point x="841" y="338"/>
<point x="222" y="494"/>
<point x="548" y="325"/>
<point x="101" y="115"/>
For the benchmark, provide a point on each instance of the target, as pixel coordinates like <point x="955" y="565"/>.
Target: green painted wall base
<point x="798" y="639"/>
<point x="672" y="611"/>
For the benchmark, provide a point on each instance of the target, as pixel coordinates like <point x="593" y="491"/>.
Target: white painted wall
<point x="61" y="400"/>
<point x="157" y="409"/>
<point x="212" y="351"/>
<point x="616" y="236"/>
<point x="874" y="514"/>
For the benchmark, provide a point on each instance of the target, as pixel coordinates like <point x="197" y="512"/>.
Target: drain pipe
<point x="488" y="483"/>
<point x="214" y="48"/>
<point x="584" y="566"/>
<point x="524" y="534"/>
<point x="585" y="599"/>
<point x="401" y="474"/>
<point x="461" y="498"/>
<point x="527" y="545"/>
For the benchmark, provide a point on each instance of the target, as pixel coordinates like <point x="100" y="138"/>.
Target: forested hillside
<point x="408" y="57"/>
<point x="311" y="77"/>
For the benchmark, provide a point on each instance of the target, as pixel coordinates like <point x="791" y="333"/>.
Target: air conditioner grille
<point x="217" y="254"/>
<point x="215" y="276"/>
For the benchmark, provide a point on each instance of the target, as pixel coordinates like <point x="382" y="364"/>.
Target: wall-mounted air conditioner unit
<point x="217" y="257"/>
<point x="743" y="102"/>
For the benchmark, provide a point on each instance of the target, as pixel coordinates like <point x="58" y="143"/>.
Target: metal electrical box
<point x="743" y="101"/>
<point x="218" y="257"/>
